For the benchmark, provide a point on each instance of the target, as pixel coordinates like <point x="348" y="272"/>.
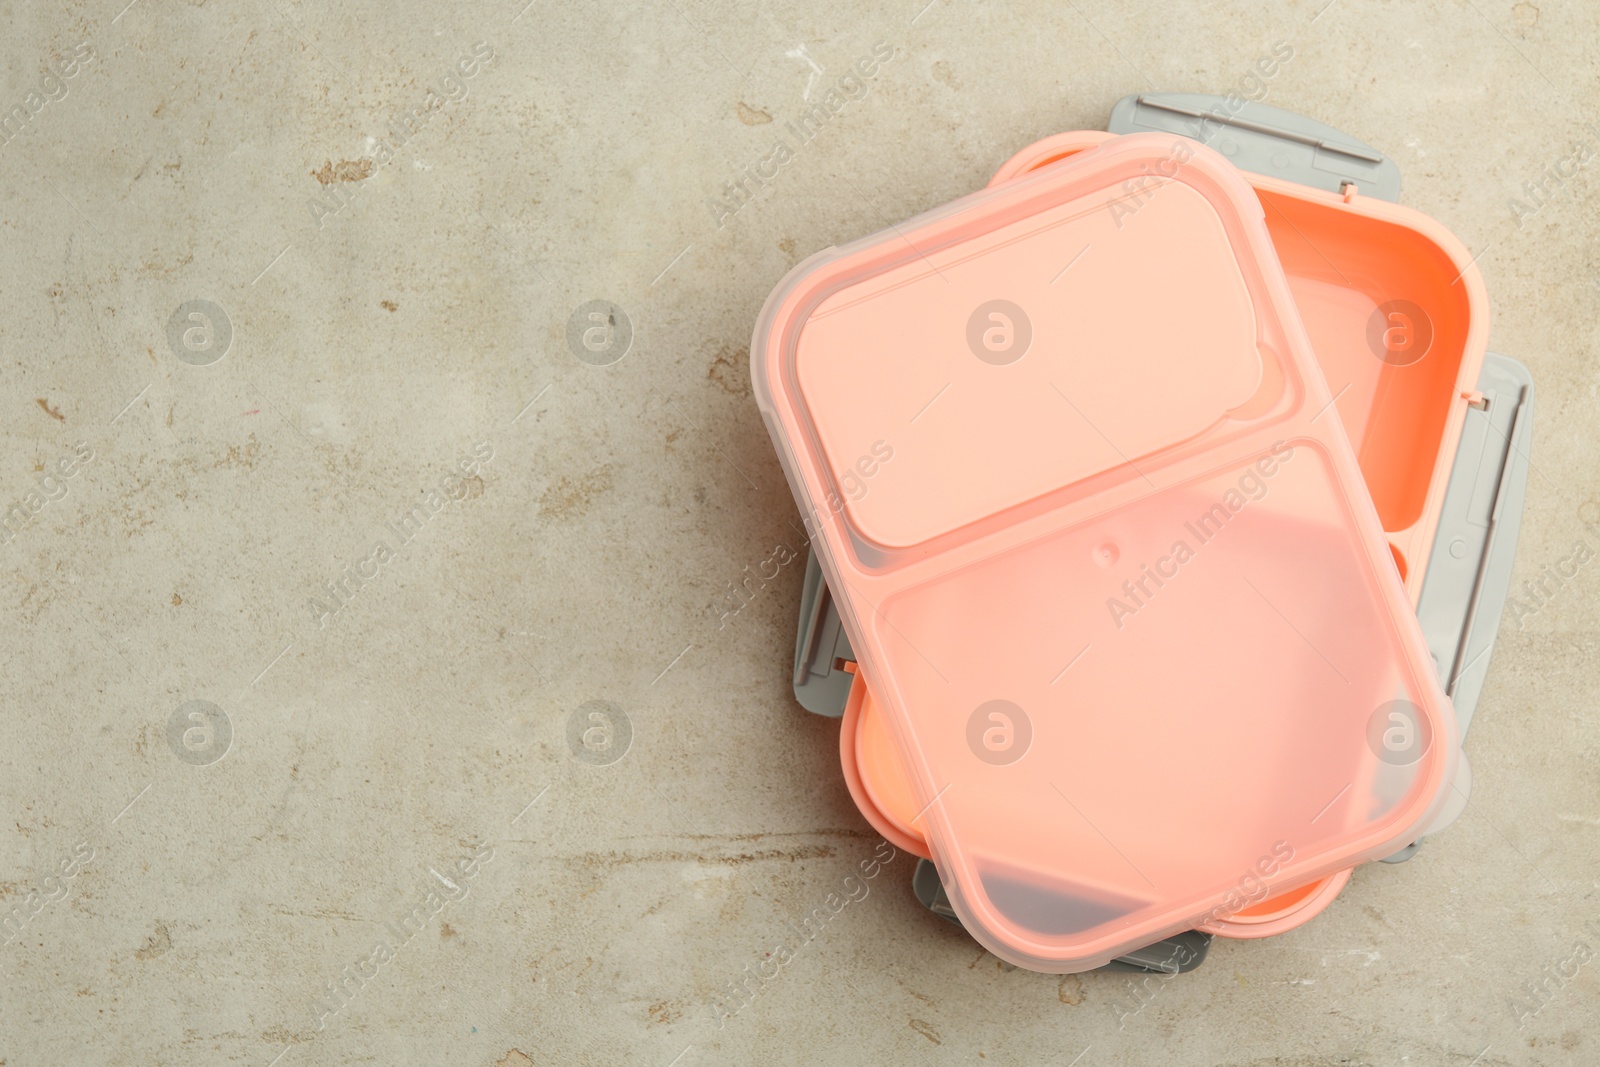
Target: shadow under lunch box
<point x="1397" y="319"/>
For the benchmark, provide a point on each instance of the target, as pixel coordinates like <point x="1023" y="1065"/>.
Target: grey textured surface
<point x="424" y="733"/>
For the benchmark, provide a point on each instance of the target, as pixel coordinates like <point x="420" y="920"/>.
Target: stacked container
<point x="1124" y="479"/>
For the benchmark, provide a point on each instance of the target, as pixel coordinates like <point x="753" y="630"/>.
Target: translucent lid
<point x="1065" y="453"/>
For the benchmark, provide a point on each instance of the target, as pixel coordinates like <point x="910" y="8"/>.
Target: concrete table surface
<point x="373" y="685"/>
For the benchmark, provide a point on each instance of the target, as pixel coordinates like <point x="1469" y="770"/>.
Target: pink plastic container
<point x="1345" y="257"/>
<point x="1062" y="450"/>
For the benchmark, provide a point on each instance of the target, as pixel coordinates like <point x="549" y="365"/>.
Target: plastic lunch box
<point x="1342" y="270"/>
<point x="1462" y="586"/>
<point x="1080" y="429"/>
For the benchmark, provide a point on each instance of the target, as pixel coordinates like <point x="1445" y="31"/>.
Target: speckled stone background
<point x="376" y="841"/>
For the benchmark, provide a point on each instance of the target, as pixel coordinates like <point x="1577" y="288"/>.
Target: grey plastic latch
<point x="820" y="685"/>
<point x="1469" y="570"/>
<point x="1266" y="140"/>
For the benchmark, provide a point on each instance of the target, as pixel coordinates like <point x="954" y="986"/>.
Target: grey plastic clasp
<point x="1469" y="571"/>
<point x="820" y="685"/>
<point x="1263" y="139"/>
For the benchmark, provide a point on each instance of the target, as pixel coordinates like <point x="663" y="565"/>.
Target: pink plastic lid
<point x="1065" y="454"/>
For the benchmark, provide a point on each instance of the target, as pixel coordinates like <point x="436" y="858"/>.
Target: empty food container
<point x="1128" y="609"/>
<point x="1463" y="594"/>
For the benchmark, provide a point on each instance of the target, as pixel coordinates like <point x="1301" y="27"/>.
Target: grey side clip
<point x="820" y="685"/>
<point x="1263" y="139"/>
